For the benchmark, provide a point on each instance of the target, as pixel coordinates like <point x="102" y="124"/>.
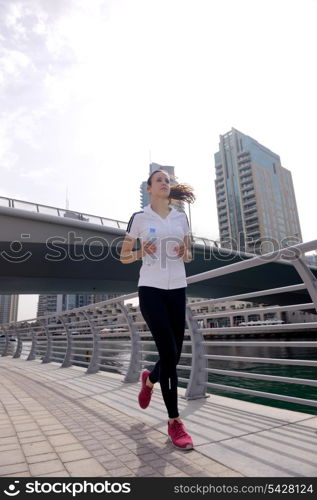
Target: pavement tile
<point x="44" y="457"/>
<point x="54" y="432"/>
<point x="191" y="470"/>
<point x="178" y="474"/>
<point x="87" y="467"/>
<point x="12" y="457"/>
<point x="143" y="471"/>
<point x="37" y="448"/>
<point x="19" y="474"/>
<point x="62" y="439"/>
<point x="46" y="467"/>
<point x="13" y="468"/>
<point x="121" y="472"/>
<point x="157" y="463"/>
<point x="111" y="465"/>
<point x="7" y="431"/>
<point x="62" y="473"/>
<point x="230" y="473"/>
<point x="46" y="421"/>
<point x="8" y="447"/>
<point x="27" y="434"/>
<point x="94" y="446"/>
<point x="69" y="447"/>
<point x="149" y="456"/>
<point x="119" y="452"/>
<point x="27" y="427"/>
<point x="168" y="469"/>
<point x="68" y="456"/>
<point x="33" y="439"/>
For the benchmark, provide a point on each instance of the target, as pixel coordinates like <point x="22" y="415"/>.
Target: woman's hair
<point x="182" y="192"/>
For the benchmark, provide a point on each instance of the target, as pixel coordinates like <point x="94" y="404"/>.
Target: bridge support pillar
<point x="69" y="350"/>
<point x="32" y="353"/>
<point x="95" y="355"/>
<point x="48" y="355"/>
<point x="6" y="343"/>
<point x="198" y="376"/>
<point x="134" y="369"/>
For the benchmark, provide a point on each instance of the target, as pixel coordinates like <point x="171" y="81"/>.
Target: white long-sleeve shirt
<point x="167" y="271"/>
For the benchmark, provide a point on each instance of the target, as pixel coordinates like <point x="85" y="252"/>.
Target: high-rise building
<point x="8" y="308"/>
<point x="49" y="304"/>
<point x="256" y="203"/>
<point x="144" y="195"/>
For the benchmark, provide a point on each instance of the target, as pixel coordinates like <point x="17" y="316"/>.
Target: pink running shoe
<point x="145" y="392"/>
<point x="179" y="437"/>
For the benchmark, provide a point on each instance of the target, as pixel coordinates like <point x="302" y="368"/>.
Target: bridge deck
<point x="62" y="422"/>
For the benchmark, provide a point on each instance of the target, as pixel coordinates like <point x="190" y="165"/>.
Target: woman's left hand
<point x="179" y="250"/>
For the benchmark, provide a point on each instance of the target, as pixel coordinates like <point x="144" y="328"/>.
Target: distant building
<point x="8" y="308"/>
<point x="144" y="195"/>
<point x="55" y="304"/>
<point x="49" y="304"/>
<point x="255" y="196"/>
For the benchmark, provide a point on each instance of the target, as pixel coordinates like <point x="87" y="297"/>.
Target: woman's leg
<point x="177" y="314"/>
<point x="155" y="310"/>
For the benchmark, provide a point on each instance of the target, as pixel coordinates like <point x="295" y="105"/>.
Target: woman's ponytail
<point x="182" y="192"/>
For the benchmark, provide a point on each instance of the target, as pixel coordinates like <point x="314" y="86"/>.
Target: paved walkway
<point x="62" y="422"/>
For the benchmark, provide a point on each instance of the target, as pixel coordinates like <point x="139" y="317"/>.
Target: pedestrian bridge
<point x="51" y="250"/>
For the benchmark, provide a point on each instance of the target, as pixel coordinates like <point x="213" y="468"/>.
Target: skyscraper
<point x="256" y="202"/>
<point x="8" y="308"/>
<point x="144" y="195"/>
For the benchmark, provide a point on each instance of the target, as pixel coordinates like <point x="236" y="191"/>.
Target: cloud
<point x="37" y="173"/>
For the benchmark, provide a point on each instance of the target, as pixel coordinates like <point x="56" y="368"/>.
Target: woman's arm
<point x="187" y="249"/>
<point x="127" y="255"/>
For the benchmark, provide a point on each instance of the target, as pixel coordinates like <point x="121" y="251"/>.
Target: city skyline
<point x="169" y="78"/>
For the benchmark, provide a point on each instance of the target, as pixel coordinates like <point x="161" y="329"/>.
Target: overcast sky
<point x="89" y="88"/>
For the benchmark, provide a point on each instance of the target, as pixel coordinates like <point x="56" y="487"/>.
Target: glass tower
<point x="256" y="203"/>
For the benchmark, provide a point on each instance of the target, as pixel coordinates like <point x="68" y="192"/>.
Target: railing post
<point x="18" y="350"/>
<point x="95" y="355"/>
<point x="6" y="345"/>
<point x="32" y="353"/>
<point x="198" y="376"/>
<point x="134" y="369"/>
<point x="308" y="278"/>
<point x="48" y="355"/>
<point x="68" y="355"/>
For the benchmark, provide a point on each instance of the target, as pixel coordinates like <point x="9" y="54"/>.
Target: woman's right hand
<point x="148" y="248"/>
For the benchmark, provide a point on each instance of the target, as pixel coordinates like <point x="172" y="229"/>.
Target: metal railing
<point x="112" y="335"/>
<point x="81" y="216"/>
<point x="61" y="212"/>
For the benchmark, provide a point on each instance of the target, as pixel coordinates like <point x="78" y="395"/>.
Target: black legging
<point x="164" y="313"/>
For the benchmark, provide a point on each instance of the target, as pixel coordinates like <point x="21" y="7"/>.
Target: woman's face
<point x="160" y="185"/>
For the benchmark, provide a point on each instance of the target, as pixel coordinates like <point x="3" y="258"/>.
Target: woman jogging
<point x="165" y="246"/>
